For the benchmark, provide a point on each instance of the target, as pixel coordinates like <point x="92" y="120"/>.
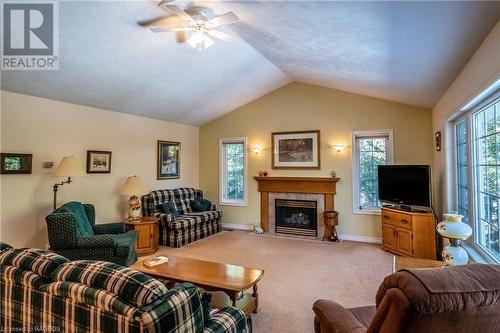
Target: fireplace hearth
<point x="296" y="217"/>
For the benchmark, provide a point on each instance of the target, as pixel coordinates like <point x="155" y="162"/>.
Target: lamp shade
<point x="69" y="166"/>
<point x="134" y="186"/>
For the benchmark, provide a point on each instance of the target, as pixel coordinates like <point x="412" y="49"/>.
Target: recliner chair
<point x="73" y="234"/>
<point x="451" y="299"/>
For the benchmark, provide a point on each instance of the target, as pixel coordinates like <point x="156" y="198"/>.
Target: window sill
<point x="476" y="255"/>
<point x="367" y="212"/>
<point x="237" y="204"/>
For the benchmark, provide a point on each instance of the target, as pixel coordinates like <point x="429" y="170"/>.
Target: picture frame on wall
<point x="98" y="161"/>
<point x="169" y="160"/>
<point x="14" y="163"/>
<point x="296" y="150"/>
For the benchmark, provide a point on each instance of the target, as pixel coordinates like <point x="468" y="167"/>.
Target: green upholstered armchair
<point x="74" y="235"/>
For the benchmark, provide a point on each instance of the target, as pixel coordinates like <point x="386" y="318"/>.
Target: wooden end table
<point x="147" y="234"/>
<point x="211" y="276"/>
<point x="401" y="262"/>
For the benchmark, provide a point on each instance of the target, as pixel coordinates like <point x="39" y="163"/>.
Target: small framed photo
<point x="13" y="163"/>
<point x="169" y="160"/>
<point x="98" y="161"/>
<point x="296" y="150"/>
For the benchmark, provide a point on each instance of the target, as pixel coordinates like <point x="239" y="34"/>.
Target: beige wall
<point x="483" y="68"/>
<point x="50" y="130"/>
<point x="299" y="106"/>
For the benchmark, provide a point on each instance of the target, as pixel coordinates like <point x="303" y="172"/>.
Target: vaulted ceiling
<point x="408" y="52"/>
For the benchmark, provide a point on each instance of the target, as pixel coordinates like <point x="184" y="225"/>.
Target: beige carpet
<point x="297" y="272"/>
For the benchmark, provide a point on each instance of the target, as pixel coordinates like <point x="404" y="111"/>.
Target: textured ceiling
<point x="403" y="51"/>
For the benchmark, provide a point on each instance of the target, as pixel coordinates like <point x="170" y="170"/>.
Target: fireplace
<point x="296" y="217"/>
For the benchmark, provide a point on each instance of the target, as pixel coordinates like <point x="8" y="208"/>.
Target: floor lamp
<point x="68" y="167"/>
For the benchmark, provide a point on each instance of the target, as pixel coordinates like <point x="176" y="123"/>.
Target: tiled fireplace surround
<point x="320" y="200"/>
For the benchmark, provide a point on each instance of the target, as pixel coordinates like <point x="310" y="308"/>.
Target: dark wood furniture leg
<point x="255" y="294"/>
<point x="234" y="296"/>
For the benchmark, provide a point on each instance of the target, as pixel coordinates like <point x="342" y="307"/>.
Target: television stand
<point x="411" y="234"/>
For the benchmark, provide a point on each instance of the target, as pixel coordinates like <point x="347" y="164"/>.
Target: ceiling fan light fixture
<point x="200" y="40"/>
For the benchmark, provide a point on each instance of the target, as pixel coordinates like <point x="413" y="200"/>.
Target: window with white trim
<point x="369" y="149"/>
<point x="233" y="171"/>
<point x="477" y="181"/>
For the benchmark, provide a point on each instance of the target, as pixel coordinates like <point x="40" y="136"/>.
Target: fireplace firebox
<point x="296" y="217"/>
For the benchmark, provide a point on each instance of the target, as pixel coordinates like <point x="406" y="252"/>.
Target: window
<point x="477" y="141"/>
<point x="370" y="149"/>
<point x="462" y="143"/>
<point x="233" y="171"/>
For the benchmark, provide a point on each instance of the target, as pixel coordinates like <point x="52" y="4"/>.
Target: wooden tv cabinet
<point x="409" y="233"/>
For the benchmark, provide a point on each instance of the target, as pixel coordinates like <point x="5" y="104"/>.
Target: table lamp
<point x="69" y="166"/>
<point x="133" y="187"/>
<point x="456" y="231"/>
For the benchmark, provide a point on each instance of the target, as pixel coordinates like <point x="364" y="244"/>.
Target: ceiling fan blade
<point x="179" y="12"/>
<point x="162" y="21"/>
<point x="159" y="29"/>
<point x="221" y="35"/>
<point x="164" y="2"/>
<point x="223" y="19"/>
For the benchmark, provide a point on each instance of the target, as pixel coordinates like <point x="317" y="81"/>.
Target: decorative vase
<point x="457" y="231"/>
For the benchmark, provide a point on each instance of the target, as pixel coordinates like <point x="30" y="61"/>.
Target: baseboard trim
<point x="352" y="238"/>
<point x="363" y="239"/>
<point x="234" y="226"/>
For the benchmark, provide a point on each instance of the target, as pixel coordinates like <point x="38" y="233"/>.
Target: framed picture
<point x="296" y="150"/>
<point x="98" y="161"/>
<point x="13" y="163"/>
<point x="169" y="160"/>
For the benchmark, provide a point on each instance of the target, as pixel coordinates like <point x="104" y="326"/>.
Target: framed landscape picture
<point x="296" y="150"/>
<point x="12" y="163"/>
<point x="169" y="160"/>
<point x="98" y="161"/>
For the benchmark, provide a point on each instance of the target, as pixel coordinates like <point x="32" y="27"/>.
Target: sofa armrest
<point x="228" y="319"/>
<point x="109" y="228"/>
<point x="61" y="229"/>
<point x="332" y="317"/>
<point x="165" y="218"/>
<point x="95" y="241"/>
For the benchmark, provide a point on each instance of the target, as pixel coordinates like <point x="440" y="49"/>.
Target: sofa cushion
<point x="200" y="205"/>
<point x="132" y="286"/>
<point x="21" y="276"/>
<point x="90" y="296"/>
<point x="41" y="262"/>
<point x="83" y="225"/>
<point x="190" y="220"/>
<point x="168" y="208"/>
<point x="5" y="247"/>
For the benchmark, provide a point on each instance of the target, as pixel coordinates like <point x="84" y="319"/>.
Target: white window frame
<point x="222" y="173"/>
<point x="478" y="253"/>
<point x="355" y="165"/>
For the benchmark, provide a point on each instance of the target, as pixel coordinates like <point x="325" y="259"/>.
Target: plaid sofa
<point x="189" y="226"/>
<point x="43" y="291"/>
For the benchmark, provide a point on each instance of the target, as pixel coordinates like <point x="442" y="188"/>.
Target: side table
<point x="147" y="234"/>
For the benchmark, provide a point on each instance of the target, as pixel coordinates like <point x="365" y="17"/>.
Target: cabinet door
<point x="143" y="236"/>
<point x="404" y="241"/>
<point x="389" y="236"/>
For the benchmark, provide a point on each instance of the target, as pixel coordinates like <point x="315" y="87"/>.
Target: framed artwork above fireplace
<point x="296" y="150"/>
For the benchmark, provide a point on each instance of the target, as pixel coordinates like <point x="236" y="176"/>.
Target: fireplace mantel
<point x="308" y="185"/>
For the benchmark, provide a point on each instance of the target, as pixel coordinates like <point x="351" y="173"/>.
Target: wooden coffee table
<point x="401" y="262"/>
<point x="210" y="276"/>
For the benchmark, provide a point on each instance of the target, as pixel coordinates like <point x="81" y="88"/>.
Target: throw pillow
<point x="200" y="204"/>
<point x="168" y="208"/>
<point x="82" y="222"/>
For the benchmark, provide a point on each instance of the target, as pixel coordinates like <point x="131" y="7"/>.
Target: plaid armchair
<point x="73" y="234"/>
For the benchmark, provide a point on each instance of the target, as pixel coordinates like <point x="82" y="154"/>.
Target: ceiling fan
<point x="198" y="20"/>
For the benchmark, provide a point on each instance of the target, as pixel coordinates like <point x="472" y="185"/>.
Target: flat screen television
<point x="405" y="185"/>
